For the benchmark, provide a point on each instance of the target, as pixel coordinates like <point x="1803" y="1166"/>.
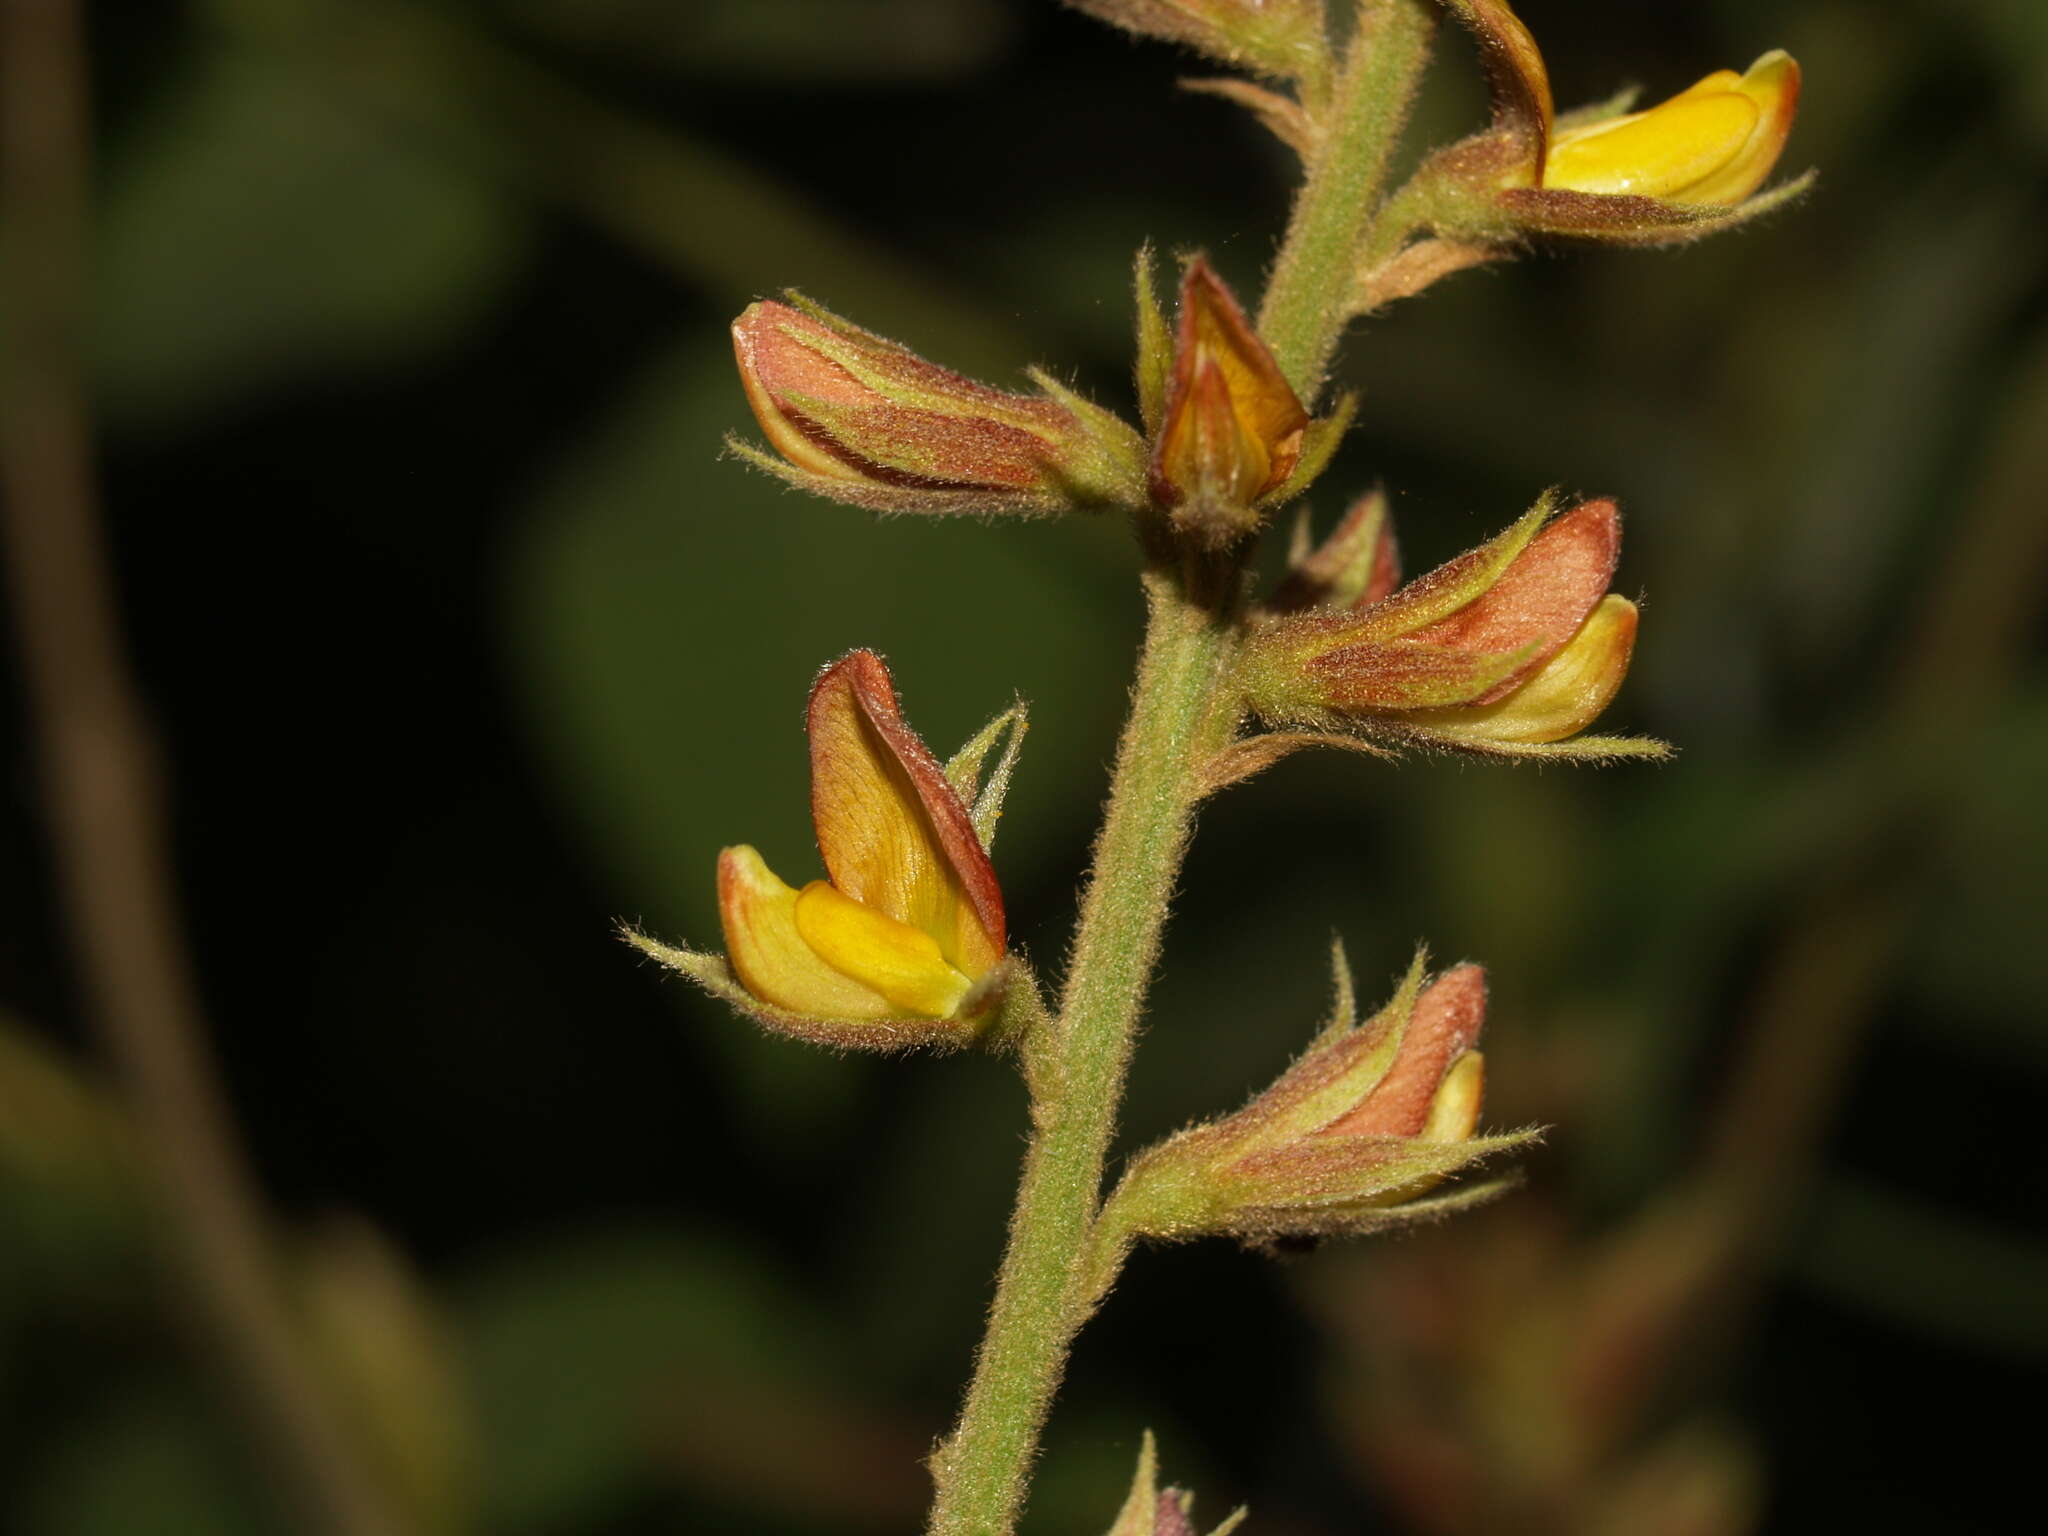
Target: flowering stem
<point x="1182" y="716"/>
<point x="1305" y="307"/>
<point x="1179" y="719"/>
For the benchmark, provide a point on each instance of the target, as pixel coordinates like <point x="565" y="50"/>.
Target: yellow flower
<point x="911" y="917"/>
<point x="1710" y="145"/>
<point x="1676" y="172"/>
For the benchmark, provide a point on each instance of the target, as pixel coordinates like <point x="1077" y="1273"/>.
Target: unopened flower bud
<point x="1372" y="1116"/>
<point x="1153" y="1511"/>
<point x="1357" y="565"/>
<point x="1508" y="648"/>
<point x="904" y="942"/>
<point x="1233" y="428"/>
<point x="858" y="418"/>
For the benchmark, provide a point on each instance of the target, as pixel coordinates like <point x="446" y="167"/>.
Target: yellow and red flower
<point x="1370" y="1118"/>
<point x="911" y="917"/>
<point x="903" y="943"/>
<point x="1674" y="172"/>
<point x="1509" y="648"/>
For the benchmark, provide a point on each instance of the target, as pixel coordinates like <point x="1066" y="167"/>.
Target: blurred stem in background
<point x="106" y="804"/>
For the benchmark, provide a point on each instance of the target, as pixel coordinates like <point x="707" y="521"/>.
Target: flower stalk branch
<point x="108" y="821"/>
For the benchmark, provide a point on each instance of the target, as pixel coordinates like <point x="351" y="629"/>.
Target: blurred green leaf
<point x="604" y="1365"/>
<point x="1984" y="970"/>
<point x="151" y="1461"/>
<point x="1932" y="1269"/>
<point x="260" y="232"/>
<point x="823" y="40"/>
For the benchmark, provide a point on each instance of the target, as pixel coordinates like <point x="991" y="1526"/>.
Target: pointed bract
<point x="984" y="796"/>
<point x="1150" y="1510"/>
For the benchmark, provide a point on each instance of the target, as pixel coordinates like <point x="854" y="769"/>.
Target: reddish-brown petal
<point x="1514" y="66"/>
<point x="1445" y="1023"/>
<point x="1542" y="598"/>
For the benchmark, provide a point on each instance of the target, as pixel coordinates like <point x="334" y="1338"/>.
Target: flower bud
<point x="860" y="419"/>
<point x="1357" y="565"/>
<point x="1232" y="430"/>
<point x="1370" y="1117"/>
<point x="1508" y="648"/>
<point x="1153" y="1511"/>
<point x="904" y="942"/>
<point x="1676" y="172"/>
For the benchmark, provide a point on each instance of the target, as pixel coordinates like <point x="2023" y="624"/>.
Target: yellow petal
<point x="1562" y="697"/>
<point x="900" y="962"/>
<point x="1455" y="1109"/>
<point x="770" y="955"/>
<point x="1772" y="83"/>
<point x="894" y="833"/>
<point x="1659" y="153"/>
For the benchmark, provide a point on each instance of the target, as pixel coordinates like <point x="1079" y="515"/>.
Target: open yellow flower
<point x="1711" y="144"/>
<point x="1677" y="171"/>
<point x="911" y="917"/>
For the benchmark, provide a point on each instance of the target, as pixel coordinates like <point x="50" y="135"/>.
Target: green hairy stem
<point x="1304" y="313"/>
<point x="1181" y="717"/>
<point x="1176" y="725"/>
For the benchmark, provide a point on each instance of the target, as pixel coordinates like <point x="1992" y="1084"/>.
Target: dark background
<point x="411" y="372"/>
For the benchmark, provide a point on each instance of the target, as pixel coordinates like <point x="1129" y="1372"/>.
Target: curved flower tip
<point x="1711" y="145"/>
<point x="1511" y="647"/>
<point x="860" y="419"/>
<point x="910" y="923"/>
